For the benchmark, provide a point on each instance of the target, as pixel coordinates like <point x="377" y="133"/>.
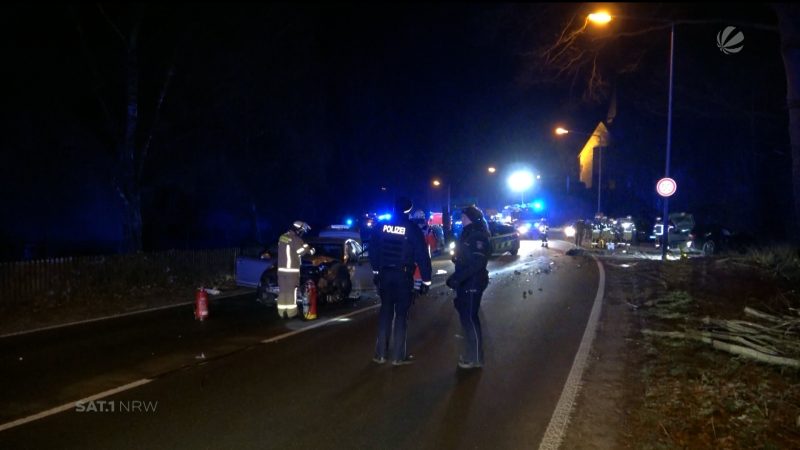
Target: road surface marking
<point x="143" y="381"/>
<point x="560" y="419"/>
<point x="71" y="405"/>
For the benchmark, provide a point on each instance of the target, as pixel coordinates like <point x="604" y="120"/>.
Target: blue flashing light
<point x="386" y="216"/>
<point x="538" y="205"/>
<point x="349" y="222"/>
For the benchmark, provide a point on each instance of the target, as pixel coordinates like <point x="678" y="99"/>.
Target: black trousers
<point x="396" y="290"/>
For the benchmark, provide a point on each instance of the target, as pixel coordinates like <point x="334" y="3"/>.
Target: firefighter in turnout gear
<point x="396" y="246"/>
<point x="543" y="229"/>
<point x="469" y="281"/>
<point x="291" y="249"/>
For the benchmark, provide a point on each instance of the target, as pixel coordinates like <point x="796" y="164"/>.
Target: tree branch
<point x="113" y="25"/>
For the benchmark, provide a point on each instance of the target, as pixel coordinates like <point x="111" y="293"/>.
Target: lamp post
<point x="563" y="131"/>
<point x="602" y="18"/>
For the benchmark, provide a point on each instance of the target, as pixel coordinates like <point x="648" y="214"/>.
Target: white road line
<point x="557" y="427"/>
<point x="71" y="405"/>
<point x="135" y="384"/>
<point x="318" y="324"/>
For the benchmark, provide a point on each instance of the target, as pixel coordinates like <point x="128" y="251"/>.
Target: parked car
<point x="340" y="269"/>
<point x="711" y="239"/>
<point x="504" y="239"/>
<point x="689" y="237"/>
<point x="680" y="226"/>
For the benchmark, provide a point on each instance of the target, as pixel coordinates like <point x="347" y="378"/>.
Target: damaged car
<point x="340" y="269"/>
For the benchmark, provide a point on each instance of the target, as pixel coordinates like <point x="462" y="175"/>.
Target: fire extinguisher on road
<point x="310" y="301"/>
<point x="201" y="304"/>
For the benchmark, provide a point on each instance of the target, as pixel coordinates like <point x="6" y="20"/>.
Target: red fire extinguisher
<point x="201" y="304"/>
<point x="311" y="298"/>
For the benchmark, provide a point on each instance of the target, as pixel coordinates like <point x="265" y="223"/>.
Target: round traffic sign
<point x="666" y="187"/>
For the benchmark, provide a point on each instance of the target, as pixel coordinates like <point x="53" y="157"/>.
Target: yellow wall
<point x="586" y="157"/>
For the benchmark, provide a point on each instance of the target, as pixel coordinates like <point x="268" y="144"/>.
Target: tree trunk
<point x="789" y="26"/>
<point x="128" y="184"/>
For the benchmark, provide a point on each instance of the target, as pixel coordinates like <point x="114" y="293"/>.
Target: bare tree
<point x="592" y="59"/>
<point x="130" y="146"/>
<point x="789" y="25"/>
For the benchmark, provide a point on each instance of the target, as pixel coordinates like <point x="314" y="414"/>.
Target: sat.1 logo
<point x="730" y="40"/>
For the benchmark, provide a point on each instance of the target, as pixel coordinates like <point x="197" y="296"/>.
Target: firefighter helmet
<point x="300" y="227"/>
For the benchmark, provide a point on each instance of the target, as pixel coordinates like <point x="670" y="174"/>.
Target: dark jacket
<point x="472" y="254"/>
<point x="399" y="245"/>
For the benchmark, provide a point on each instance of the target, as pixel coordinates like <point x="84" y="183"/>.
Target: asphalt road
<point x="218" y="385"/>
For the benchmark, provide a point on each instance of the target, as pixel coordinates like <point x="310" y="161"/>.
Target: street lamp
<point x="601" y="18"/>
<point x="491" y="169"/>
<point x="437" y="184"/>
<point x="562" y="131"/>
<point x="520" y="181"/>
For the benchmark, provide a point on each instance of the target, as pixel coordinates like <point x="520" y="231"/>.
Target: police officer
<point x="469" y="281"/>
<point x="394" y="249"/>
<point x="580" y="229"/>
<point x="291" y="248"/>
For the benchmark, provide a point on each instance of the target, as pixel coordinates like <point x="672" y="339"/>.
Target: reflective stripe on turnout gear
<point x="283" y="269"/>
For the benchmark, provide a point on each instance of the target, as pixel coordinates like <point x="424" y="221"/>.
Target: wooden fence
<point x="71" y="279"/>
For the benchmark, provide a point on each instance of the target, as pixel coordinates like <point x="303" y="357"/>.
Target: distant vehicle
<point x="689" y="237"/>
<point x="709" y="240"/>
<point x="504" y="239"/>
<point x="340" y="269"/>
<point x="680" y="225"/>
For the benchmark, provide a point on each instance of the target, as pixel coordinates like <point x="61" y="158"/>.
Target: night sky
<point x="283" y="112"/>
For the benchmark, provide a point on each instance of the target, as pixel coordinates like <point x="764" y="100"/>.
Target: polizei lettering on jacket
<point x="394" y="230"/>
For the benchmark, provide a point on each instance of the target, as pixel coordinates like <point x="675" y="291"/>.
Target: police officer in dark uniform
<point x="469" y="281"/>
<point x="580" y="229"/>
<point x="395" y="247"/>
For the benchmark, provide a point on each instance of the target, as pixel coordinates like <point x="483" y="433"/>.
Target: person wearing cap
<point x="396" y="246"/>
<point x="469" y="281"/>
<point x="291" y="249"/>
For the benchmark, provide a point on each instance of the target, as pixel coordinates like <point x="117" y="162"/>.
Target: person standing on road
<point x="469" y="281"/>
<point x="291" y="249"/>
<point x="394" y="249"/>
<point x="580" y="229"/>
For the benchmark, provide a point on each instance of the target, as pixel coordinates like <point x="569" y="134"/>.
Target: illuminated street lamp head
<point x="520" y="181"/>
<point x="492" y="170"/>
<point x="437" y="182"/>
<point x="599" y="18"/>
<point x="560" y="131"/>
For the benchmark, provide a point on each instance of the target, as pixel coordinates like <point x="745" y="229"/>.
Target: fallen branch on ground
<point x="719" y="344"/>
